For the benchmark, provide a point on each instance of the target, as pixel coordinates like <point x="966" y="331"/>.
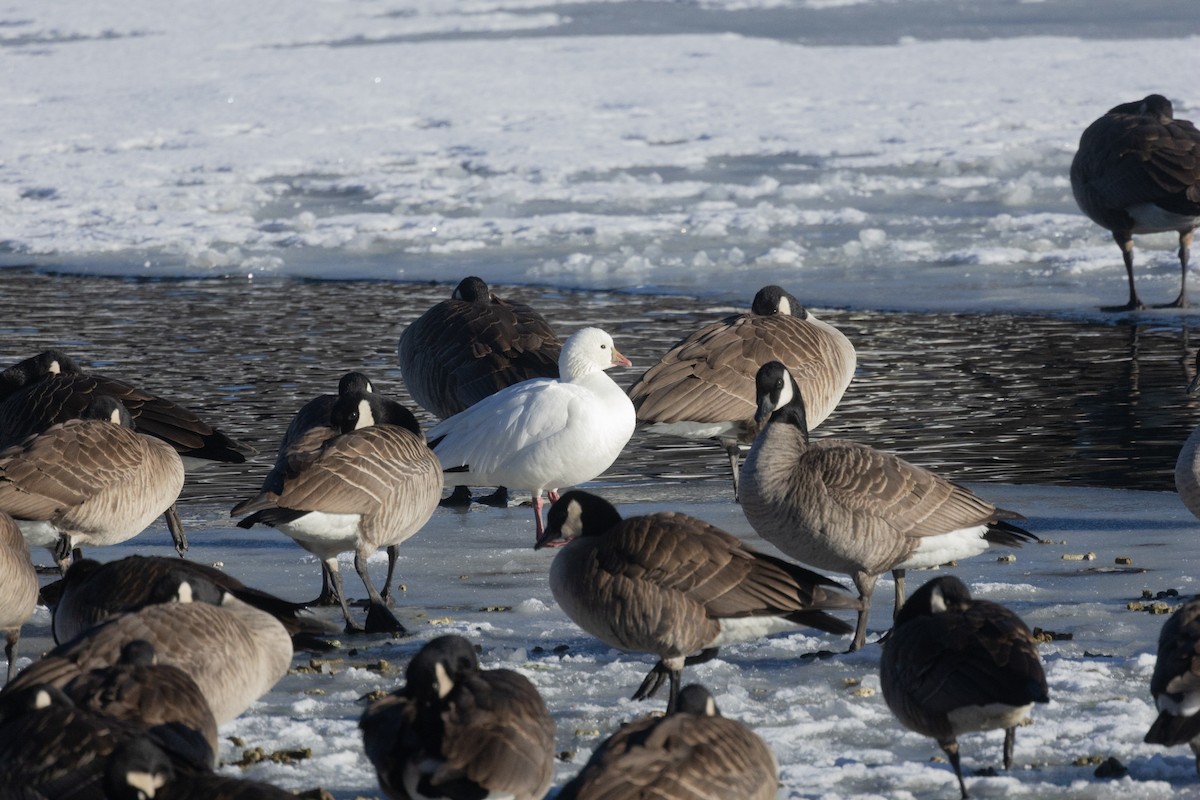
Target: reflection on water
<point x="1004" y="398"/>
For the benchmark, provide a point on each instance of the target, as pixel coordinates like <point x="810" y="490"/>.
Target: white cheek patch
<point x="184" y="593"/>
<point x="147" y="783"/>
<point x="937" y="601"/>
<point x="787" y="394"/>
<point x="42" y="699"/>
<point x="445" y="684"/>
<point x="785" y="306"/>
<point x="115" y="416"/>
<point x="365" y="418"/>
<point x="55" y="368"/>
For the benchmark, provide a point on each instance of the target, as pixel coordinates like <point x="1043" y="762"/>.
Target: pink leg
<point x="537" y="514"/>
<point x="553" y="495"/>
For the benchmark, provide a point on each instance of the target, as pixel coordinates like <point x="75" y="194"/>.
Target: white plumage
<point x="544" y="433"/>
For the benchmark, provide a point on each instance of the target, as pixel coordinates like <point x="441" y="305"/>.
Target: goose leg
<point x="393" y="552"/>
<point x="339" y="591"/>
<point x="1010" y="739"/>
<point x="1196" y="751"/>
<point x="654" y="679"/>
<point x="62" y="552"/>
<point x="898" y="575"/>
<point x="734" y="451"/>
<point x="175" y="526"/>
<point x="866" y="586"/>
<point x="951" y="750"/>
<point x="459" y="498"/>
<point x="1185" y="244"/>
<point x="498" y="498"/>
<point x="327" y="597"/>
<point x="1124" y="240"/>
<point x="379" y="618"/>
<point x="10" y="650"/>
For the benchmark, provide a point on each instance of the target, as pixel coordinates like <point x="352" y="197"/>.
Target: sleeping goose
<point x="92" y="592"/>
<point x="673" y="585"/>
<point x="90" y="481"/>
<point x="142" y="769"/>
<point x="843" y="506"/>
<point x="455" y="730"/>
<point x="1137" y="170"/>
<point x="544" y="433"/>
<point x="139" y="690"/>
<point x="703" y="388"/>
<point x="307" y="433"/>
<point x="371" y="486"/>
<point x="18" y="587"/>
<point x="1175" y="684"/>
<point x="954" y="665"/>
<point x="692" y="754"/>
<point x="234" y="652"/>
<point x="470" y="347"/>
<point x="50" y="388"/>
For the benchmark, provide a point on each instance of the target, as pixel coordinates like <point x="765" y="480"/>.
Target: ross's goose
<point x="544" y="433"/>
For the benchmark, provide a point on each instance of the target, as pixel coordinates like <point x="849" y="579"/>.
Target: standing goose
<point x="1187" y="465"/>
<point x="308" y="432"/>
<point x="92" y="592"/>
<point x="234" y="652"/>
<point x="545" y="433"/>
<point x="955" y="665"/>
<point x="18" y="587"/>
<point x="139" y="690"/>
<point x="366" y="488"/>
<point x="703" y="388"/>
<point x="457" y="731"/>
<point x="470" y="347"/>
<point x="90" y="481"/>
<point x="1175" y="684"/>
<point x="50" y="388"/>
<point x="1137" y="170"/>
<point x="839" y="505"/>
<point x="673" y="585"/>
<point x="692" y="754"/>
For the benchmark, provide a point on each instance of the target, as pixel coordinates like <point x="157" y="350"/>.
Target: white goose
<point x="544" y="433"/>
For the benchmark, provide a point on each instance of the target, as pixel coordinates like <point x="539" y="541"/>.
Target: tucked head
<point x="34" y="368"/>
<point x="472" y="290"/>
<point x="437" y="668"/>
<point x="937" y="596"/>
<point x="110" y="409"/>
<point x="773" y="300"/>
<point x="354" y="382"/>
<point x="137" y="770"/>
<point x="695" y="699"/>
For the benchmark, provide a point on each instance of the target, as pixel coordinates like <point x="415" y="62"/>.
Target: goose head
<point x="356" y="409"/>
<point x="577" y="513"/>
<point x="588" y="350"/>
<point x="695" y="699"/>
<point x="942" y="594"/>
<point x="110" y="409"/>
<point x="137" y="769"/>
<point x="354" y="382"/>
<point x="774" y="300"/>
<point x="777" y="397"/>
<point x="438" y="667"/>
<point x="34" y="368"/>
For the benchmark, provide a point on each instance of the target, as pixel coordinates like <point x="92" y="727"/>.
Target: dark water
<point x="1019" y="399"/>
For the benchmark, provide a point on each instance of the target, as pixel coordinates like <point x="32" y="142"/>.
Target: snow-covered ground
<point x="883" y="153"/>
<point x="475" y="573"/>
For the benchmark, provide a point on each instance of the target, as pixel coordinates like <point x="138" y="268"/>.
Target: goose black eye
<point x="603" y="347"/>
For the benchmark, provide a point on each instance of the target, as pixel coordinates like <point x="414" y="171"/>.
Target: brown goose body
<point x="95" y="481"/>
<point x="139" y="690"/>
<point x="234" y="652"/>
<point x="954" y="665"/>
<point x="692" y="754"/>
<point x="1137" y="171"/>
<point x="50" y="388"/>
<point x="18" y="587"/>
<point x="471" y="346"/>
<point x="1175" y="684"/>
<point x="456" y="730"/>
<point x="843" y="506"/>
<point x="363" y="489"/>
<point x="704" y="386"/>
<point x="673" y="585"/>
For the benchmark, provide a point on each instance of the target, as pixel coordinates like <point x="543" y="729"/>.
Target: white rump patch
<point x="934" y="551"/>
<point x="987" y="718"/>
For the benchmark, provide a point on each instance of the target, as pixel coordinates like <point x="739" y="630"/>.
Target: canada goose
<point x="673" y="585"/>
<point x="470" y="347"/>
<point x="142" y="769"/>
<point x="234" y="652"/>
<point x="543" y="433"/>
<point x="92" y="592"/>
<point x="1187" y="465"/>
<point x="308" y="432"/>
<point x="18" y="588"/>
<point x="50" y="388"/>
<point x="843" y="506"/>
<point x="455" y="730"/>
<point x="692" y="754"/>
<point x="89" y="481"/>
<point x="955" y="665"/>
<point x="703" y="388"/>
<point x="1137" y="170"/>
<point x="1175" y="684"/>
<point x="367" y="488"/>
<point x="137" y="689"/>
